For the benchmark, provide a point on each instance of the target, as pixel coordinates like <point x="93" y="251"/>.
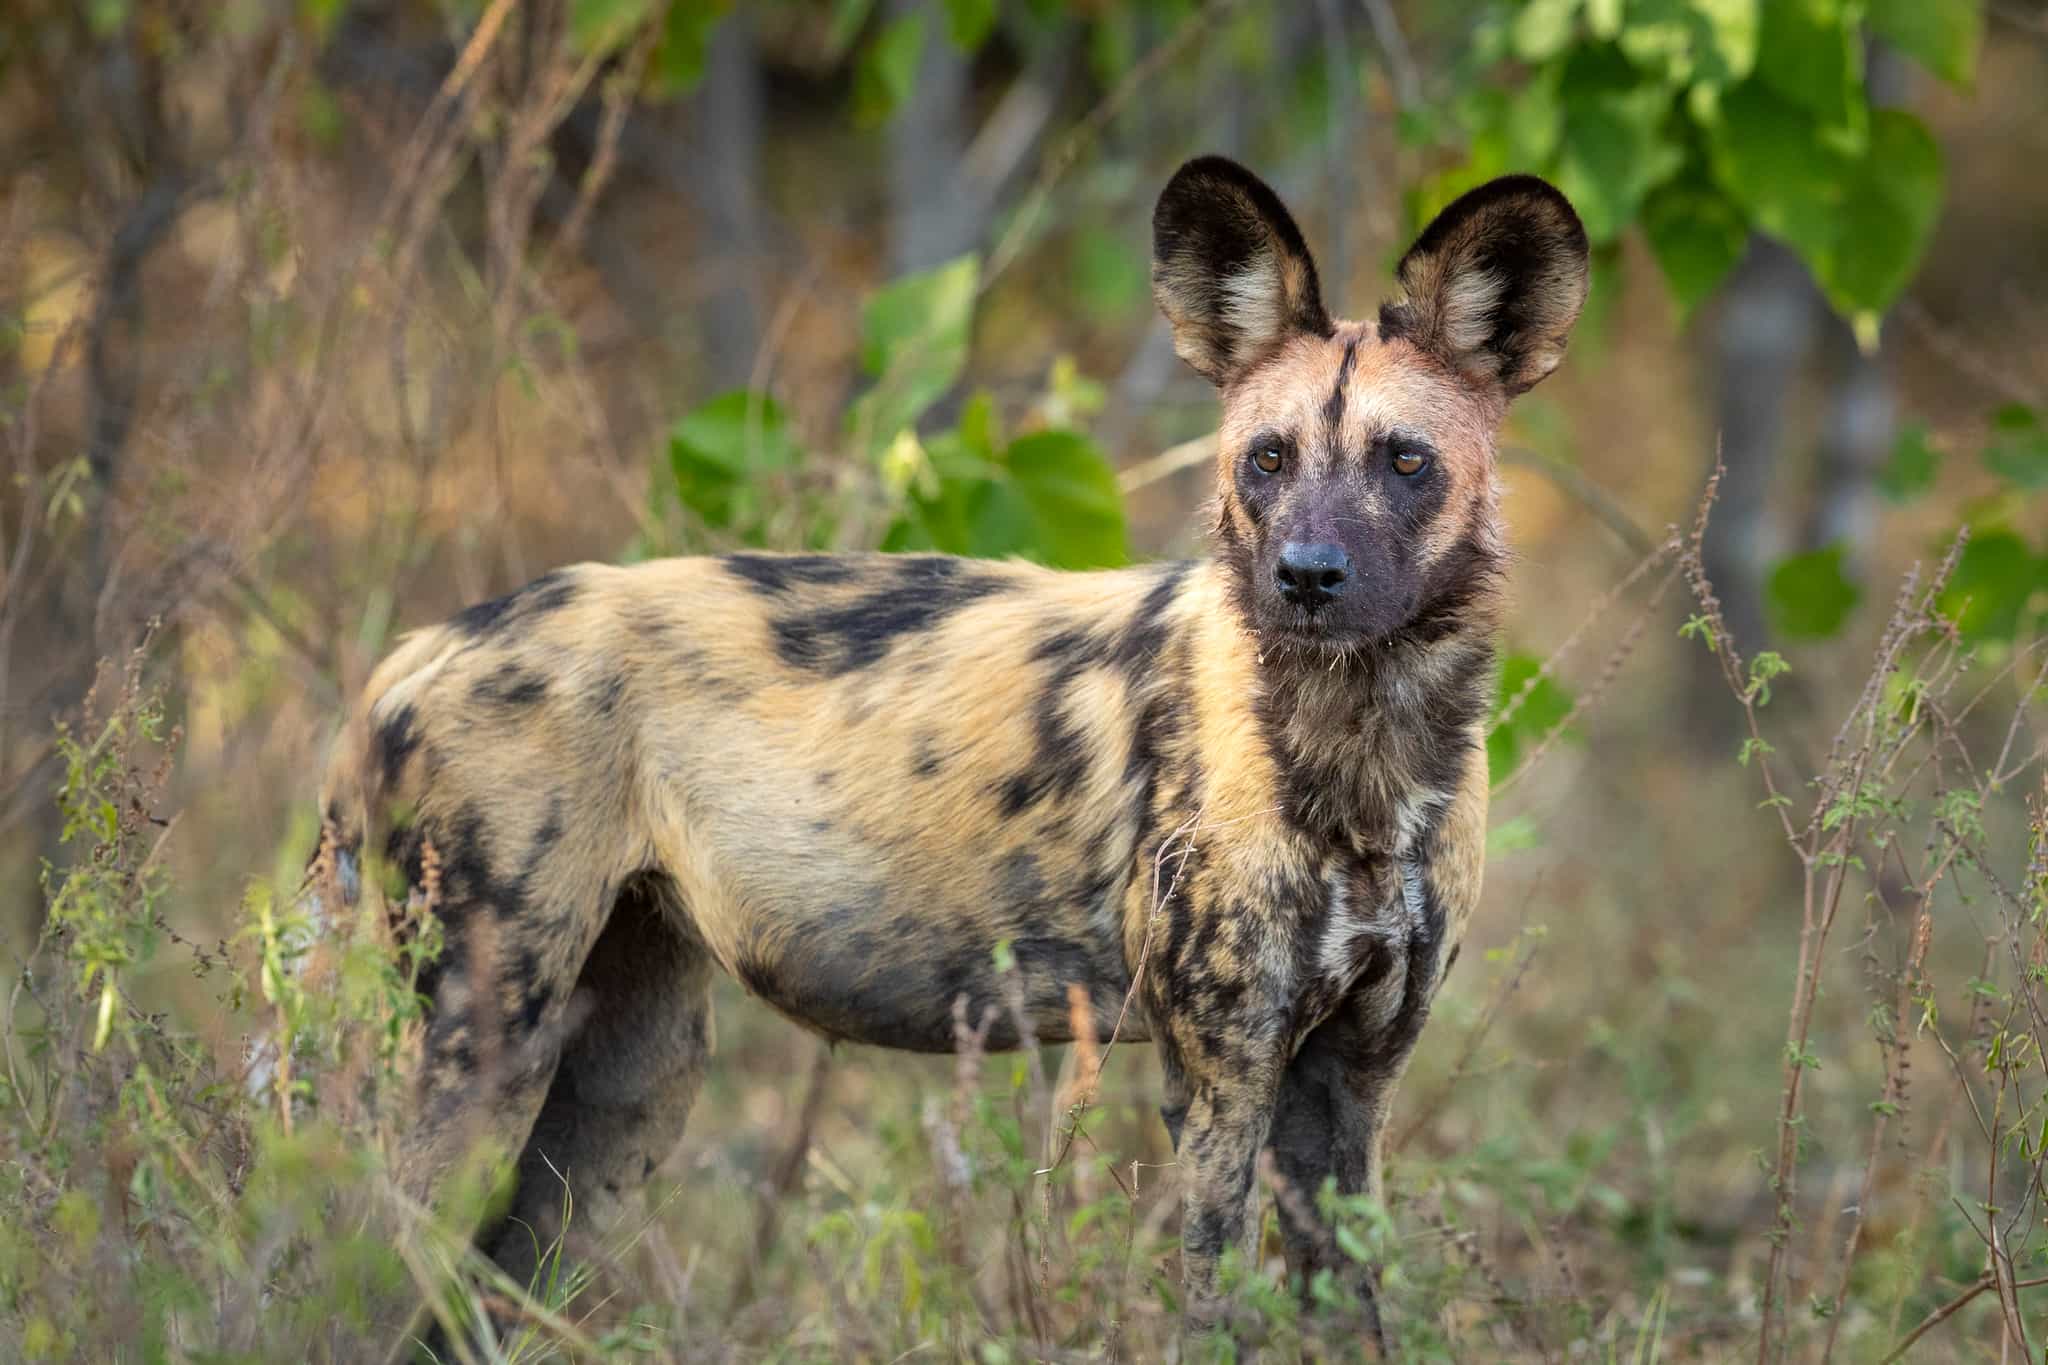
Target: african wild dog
<point x="845" y="778"/>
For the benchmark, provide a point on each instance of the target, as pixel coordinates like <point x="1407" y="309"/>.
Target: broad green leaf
<point x="740" y="431"/>
<point x="1733" y="29"/>
<point x="1910" y="469"/>
<point x="943" y="508"/>
<point x="1052" y="498"/>
<point x="2018" y="450"/>
<point x="1071" y="491"/>
<point x="969" y="22"/>
<point x="717" y="449"/>
<point x="887" y="71"/>
<point x="1543" y="711"/>
<point x="914" y="340"/>
<point x="1769" y="156"/>
<point x="1808" y="596"/>
<point x="1891" y="200"/>
<point x="1994" y="583"/>
<point x="1615" y="148"/>
<point x="1942" y="35"/>
<point x="1691" y="42"/>
<point x="1810" y="54"/>
<point x="1697" y="237"/>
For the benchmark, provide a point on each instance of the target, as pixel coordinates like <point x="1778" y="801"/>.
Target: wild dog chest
<point x="1357" y="939"/>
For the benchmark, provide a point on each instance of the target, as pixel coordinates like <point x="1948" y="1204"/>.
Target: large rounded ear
<point x="1229" y="268"/>
<point x="1494" y="285"/>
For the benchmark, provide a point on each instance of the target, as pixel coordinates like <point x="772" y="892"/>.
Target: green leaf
<point x="1541" y="712"/>
<point x="717" y="450"/>
<point x="1911" y="467"/>
<point x="1809" y="54"/>
<point x="1542" y="29"/>
<point x="969" y="22"/>
<point x="1942" y="35"/>
<point x="1808" y="596"/>
<point x="1769" y="156"/>
<point x="1993" y="585"/>
<point x="1704" y="43"/>
<point x="2018" y="451"/>
<point x="1697" y="237"/>
<point x="1614" y="151"/>
<point x="914" y="340"/>
<point x="1891" y="201"/>
<point x="887" y="71"/>
<point x="1051" y="497"/>
<point x="1070" y="489"/>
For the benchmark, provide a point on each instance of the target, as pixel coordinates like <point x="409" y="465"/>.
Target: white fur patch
<point x="1334" y="957"/>
<point x="1469" y="302"/>
<point x="1252" y="300"/>
<point x="1412" y="897"/>
<point x="1412" y="817"/>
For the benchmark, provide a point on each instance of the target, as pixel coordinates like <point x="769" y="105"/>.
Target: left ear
<point x="1493" y="286"/>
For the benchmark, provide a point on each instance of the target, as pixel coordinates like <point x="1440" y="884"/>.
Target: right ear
<point x="1230" y="269"/>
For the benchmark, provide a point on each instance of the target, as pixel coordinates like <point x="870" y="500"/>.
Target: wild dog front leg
<point x="1230" y="1112"/>
<point x="1330" y="1119"/>
<point x="1339" y="1087"/>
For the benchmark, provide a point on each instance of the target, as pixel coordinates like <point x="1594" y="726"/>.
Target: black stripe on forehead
<point x="1333" y="407"/>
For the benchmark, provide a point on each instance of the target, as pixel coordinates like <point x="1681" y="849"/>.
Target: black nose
<point x="1311" y="575"/>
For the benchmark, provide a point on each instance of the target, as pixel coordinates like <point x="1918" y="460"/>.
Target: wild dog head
<point x="1356" y="465"/>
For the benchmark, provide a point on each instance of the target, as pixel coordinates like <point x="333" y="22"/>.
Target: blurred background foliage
<point x="319" y="320"/>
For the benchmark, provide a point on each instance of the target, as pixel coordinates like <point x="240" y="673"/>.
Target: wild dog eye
<point x="1267" y="459"/>
<point x="1410" y="461"/>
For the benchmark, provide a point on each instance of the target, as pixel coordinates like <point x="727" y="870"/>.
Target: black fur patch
<point x="546" y="594"/>
<point x="774" y="575"/>
<point x="922" y="591"/>
<point x="509" y="686"/>
<point x="1333" y="406"/>
<point x="397" y="738"/>
<point x="1463" y="577"/>
<point x="534" y="994"/>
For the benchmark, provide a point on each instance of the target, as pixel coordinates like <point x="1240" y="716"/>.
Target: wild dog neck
<point x="1372" y="740"/>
